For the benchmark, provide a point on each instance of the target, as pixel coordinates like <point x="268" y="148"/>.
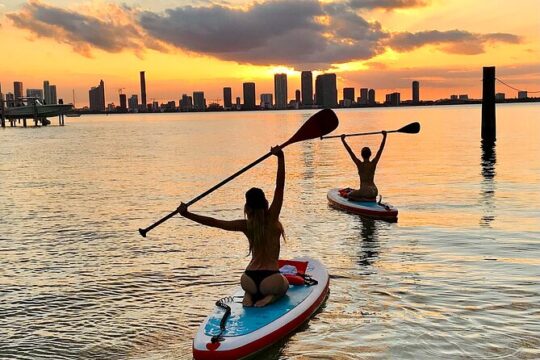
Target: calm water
<point x="456" y="277"/>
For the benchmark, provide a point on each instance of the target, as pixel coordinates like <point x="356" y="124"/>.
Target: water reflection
<point x="488" y="183"/>
<point x="369" y="251"/>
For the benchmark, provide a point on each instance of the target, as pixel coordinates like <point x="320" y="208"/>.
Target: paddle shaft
<point x="358" y="134"/>
<point x="207" y="192"/>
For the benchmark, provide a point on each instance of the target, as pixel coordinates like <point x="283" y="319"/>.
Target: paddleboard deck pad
<point x="249" y="330"/>
<point x="373" y="209"/>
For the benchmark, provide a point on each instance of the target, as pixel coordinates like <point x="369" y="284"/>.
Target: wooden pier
<point x="34" y="110"/>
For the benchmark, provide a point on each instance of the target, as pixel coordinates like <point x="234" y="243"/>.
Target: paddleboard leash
<point x="222" y="303"/>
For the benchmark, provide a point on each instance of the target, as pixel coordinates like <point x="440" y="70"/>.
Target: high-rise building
<point x="133" y="103"/>
<point x="227" y="98"/>
<point x="35" y="93"/>
<point x="186" y="103"/>
<point x="97" y="97"/>
<point x="54" y="100"/>
<point x="280" y="90"/>
<point x="364" y="96"/>
<point x="371" y="97"/>
<point x="249" y="96"/>
<point x="500" y="96"/>
<point x="143" y="90"/>
<point x="267" y="101"/>
<point x="522" y="94"/>
<point x="199" y="102"/>
<point x="297" y="97"/>
<point x="123" y="102"/>
<point x="415" y="92"/>
<point x="326" y="90"/>
<point x="46" y="92"/>
<point x="18" y="92"/>
<point x="348" y="94"/>
<point x="393" y="99"/>
<point x="307" y="88"/>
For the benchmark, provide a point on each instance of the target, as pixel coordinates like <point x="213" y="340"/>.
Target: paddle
<point x="321" y="123"/>
<point x="412" y="128"/>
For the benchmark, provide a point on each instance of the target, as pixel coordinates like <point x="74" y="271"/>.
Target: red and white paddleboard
<point x="373" y="209"/>
<point x="248" y="330"/>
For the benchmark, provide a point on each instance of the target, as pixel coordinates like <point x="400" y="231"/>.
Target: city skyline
<point x="444" y="46"/>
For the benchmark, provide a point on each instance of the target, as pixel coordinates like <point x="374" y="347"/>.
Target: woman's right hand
<point x="182" y="209"/>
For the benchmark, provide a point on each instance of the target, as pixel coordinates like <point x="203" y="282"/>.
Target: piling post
<point x="488" y="104"/>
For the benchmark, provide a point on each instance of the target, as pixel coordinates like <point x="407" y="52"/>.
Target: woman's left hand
<point x="277" y="151"/>
<point x="182" y="209"/>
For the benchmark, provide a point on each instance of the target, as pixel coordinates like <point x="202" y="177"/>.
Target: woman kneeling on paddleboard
<point x="366" y="169"/>
<point x="261" y="281"/>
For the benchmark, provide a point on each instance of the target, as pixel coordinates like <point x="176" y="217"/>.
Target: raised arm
<point x="234" y="225"/>
<point x="379" y="153"/>
<point x="349" y="150"/>
<point x="277" y="201"/>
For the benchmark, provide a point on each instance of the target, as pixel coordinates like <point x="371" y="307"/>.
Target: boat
<point x="35" y="109"/>
<point x="337" y="198"/>
<point x="232" y="331"/>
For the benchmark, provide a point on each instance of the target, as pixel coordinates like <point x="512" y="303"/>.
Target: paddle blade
<point x="412" y="128"/>
<point x="321" y="123"/>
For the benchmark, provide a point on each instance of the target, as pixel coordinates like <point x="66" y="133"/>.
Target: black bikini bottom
<point x="258" y="276"/>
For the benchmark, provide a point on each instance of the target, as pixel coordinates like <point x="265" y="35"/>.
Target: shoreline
<point x="378" y="105"/>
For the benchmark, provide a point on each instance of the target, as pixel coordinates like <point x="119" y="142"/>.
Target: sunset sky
<point x="185" y="46"/>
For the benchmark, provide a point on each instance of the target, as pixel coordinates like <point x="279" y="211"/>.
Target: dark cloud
<point x="274" y="32"/>
<point x="452" y="41"/>
<point x="82" y="32"/>
<point x="385" y="4"/>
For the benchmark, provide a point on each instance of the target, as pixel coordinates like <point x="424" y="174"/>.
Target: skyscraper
<point x="46" y="92"/>
<point x="364" y="96"/>
<point x="249" y="96"/>
<point x="18" y="92"/>
<point x="199" y="102"/>
<point x="123" y="102"/>
<point x="326" y="90"/>
<point x="143" y="91"/>
<point x="280" y="90"/>
<point x="307" y="88"/>
<point x="393" y="99"/>
<point x="133" y="103"/>
<point x="266" y="101"/>
<point x="348" y="94"/>
<point x="52" y="91"/>
<point x="297" y="96"/>
<point x="371" y="97"/>
<point x="415" y="92"/>
<point x="227" y="98"/>
<point x="186" y="103"/>
<point x="97" y="97"/>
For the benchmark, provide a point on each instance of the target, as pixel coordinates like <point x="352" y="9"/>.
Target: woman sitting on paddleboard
<point x="366" y="169"/>
<point x="261" y="281"/>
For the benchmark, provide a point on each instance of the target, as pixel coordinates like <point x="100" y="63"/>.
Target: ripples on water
<point x="456" y="277"/>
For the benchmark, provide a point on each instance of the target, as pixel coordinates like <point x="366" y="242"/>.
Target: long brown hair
<point x="258" y="219"/>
